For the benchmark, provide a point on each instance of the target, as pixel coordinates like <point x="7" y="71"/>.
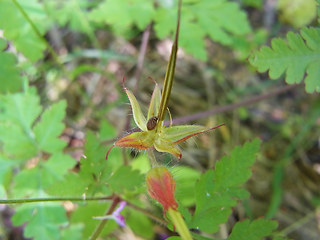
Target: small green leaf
<point x="256" y="230"/>
<point x="70" y="13"/>
<point x="44" y="220"/>
<point x="218" y="189"/>
<point x="123" y="14"/>
<point x="125" y="179"/>
<point x="18" y="30"/>
<point x="31" y="181"/>
<point x="9" y="72"/>
<point x="140" y="224"/>
<point x="94" y="168"/>
<point x="50" y="127"/>
<point x="20" y="108"/>
<point x="185" y="182"/>
<point x="296" y="57"/>
<point x="73" y="232"/>
<point x="17" y="114"/>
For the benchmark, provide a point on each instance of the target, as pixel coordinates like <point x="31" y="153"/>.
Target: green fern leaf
<point x="256" y="230"/>
<point x="218" y="189"/>
<point x="298" y="56"/>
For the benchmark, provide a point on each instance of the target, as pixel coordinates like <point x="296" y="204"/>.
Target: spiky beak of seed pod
<point x="161" y="186"/>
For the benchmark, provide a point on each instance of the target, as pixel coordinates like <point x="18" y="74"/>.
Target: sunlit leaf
<point x="44" y="220"/>
<point x="218" y="189"/>
<point x="256" y="230"/>
<point x="296" y="57"/>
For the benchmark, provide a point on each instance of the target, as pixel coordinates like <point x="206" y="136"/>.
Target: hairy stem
<point x="179" y="224"/>
<point x="59" y="199"/>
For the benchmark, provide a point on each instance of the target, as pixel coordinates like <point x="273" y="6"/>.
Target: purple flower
<point x="116" y="216"/>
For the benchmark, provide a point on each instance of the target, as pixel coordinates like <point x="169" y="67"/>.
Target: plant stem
<point x="37" y="32"/>
<point x="147" y="213"/>
<point x="232" y="106"/>
<point x="297" y="224"/>
<point x="179" y="224"/>
<point x="33" y="200"/>
<point x="168" y="80"/>
<point x="103" y="222"/>
<point x="152" y="158"/>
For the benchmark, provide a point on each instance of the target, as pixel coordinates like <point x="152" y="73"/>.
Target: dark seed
<point x="152" y="123"/>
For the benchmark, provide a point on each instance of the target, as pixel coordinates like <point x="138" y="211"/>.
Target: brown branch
<point x="232" y="106"/>
<point x="142" y="54"/>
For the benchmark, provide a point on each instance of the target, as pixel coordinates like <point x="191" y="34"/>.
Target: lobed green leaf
<point x="18" y="30"/>
<point x="256" y="230"/>
<point x="218" y="189"/>
<point x="296" y="57"/>
<point x="220" y="20"/>
<point x="125" y="179"/>
<point x="44" y="220"/>
<point x="50" y="127"/>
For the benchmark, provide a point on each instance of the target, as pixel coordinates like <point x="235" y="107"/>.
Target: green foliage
<point x="84" y="213"/>
<point x="44" y="220"/>
<point x="185" y="180"/>
<point x="297" y="13"/>
<point x="218" y="189"/>
<point x="33" y="158"/>
<point x="125" y="179"/>
<point x="21" y="135"/>
<point x="121" y="15"/>
<point x="9" y="73"/>
<point x="221" y="20"/>
<point x="246" y="230"/>
<point x="297" y="57"/>
<point x="253" y="3"/>
<point x="69" y="13"/>
<point x="18" y="30"/>
<point x="31" y="182"/>
<point x="140" y="224"/>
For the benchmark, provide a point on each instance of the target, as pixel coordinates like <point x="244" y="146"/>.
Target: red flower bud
<point x="161" y="186"/>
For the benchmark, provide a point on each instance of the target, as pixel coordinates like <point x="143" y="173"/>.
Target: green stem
<point x="103" y="222"/>
<point x="37" y="32"/>
<point x="179" y="224"/>
<point x="60" y="199"/>
<point x="168" y="80"/>
<point x="152" y="158"/>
